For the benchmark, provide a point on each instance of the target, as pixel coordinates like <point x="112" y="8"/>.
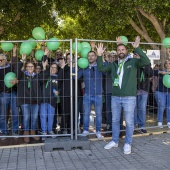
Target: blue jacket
<point x="92" y="79"/>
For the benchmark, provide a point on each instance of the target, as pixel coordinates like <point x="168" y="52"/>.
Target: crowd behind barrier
<point x="38" y="102"/>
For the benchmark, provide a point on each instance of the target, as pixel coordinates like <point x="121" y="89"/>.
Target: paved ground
<point x="149" y="152"/>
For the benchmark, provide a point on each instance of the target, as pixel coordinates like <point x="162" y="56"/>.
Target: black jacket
<point x="47" y="90"/>
<point x="64" y="83"/>
<point x="143" y="75"/>
<point x="29" y="88"/>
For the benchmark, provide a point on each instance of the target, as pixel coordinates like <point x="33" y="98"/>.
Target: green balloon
<point x="26" y="48"/>
<point x="84" y="52"/>
<point x="86" y="44"/>
<point x="9" y="77"/>
<point x="124" y="40"/>
<point x="166" y="42"/>
<point x="38" y="33"/>
<point x="32" y="43"/>
<point x="53" y="45"/>
<point x="166" y="80"/>
<point x="39" y="54"/>
<point x="83" y="63"/>
<point x="7" y="46"/>
<point x="79" y="47"/>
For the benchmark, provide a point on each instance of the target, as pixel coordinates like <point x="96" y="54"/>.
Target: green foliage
<point x="19" y="17"/>
<point x="90" y="19"/>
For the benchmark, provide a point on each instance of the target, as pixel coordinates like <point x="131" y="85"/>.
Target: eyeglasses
<point x="54" y="67"/>
<point x="38" y="68"/>
<point x="2" y="60"/>
<point x="30" y="66"/>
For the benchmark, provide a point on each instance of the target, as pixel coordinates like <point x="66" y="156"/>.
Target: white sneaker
<point x="52" y="134"/>
<point x="127" y="148"/>
<point x="160" y="125"/>
<point x="85" y="133"/>
<point x="99" y="136"/>
<point x="168" y="124"/>
<point x="43" y="137"/>
<point x="111" y="144"/>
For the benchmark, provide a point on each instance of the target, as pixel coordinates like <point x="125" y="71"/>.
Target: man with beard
<point x="93" y="94"/>
<point x="124" y="86"/>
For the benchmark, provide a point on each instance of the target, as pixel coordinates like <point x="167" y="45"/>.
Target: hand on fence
<point x="93" y="45"/>
<point x="15" y="51"/>
<point x="24" y="56"/>
<point x="15" y="81"/>
<point x="137" y="42"/>
<point x="119" y="40"/>
<point x="162" y="72"/>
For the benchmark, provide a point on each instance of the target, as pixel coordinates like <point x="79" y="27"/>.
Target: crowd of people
<point x="116" y="80"/>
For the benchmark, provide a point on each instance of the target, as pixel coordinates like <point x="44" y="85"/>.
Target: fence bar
<point x="76" y="88"/>
<point x="71" y="88"/>
<point x="116" y="41"/>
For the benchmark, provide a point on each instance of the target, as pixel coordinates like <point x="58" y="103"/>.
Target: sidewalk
<point x="149" y="152"/>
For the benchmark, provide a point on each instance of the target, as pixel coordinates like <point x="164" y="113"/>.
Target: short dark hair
<point x="92" y="52"/>
<point x="68" y="55"/>
<point x="54" y="64"/>
<point x="121" y="45"/>
<point x="38" y="64"/>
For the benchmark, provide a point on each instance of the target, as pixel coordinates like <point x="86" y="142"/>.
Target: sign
<point x="153" y="54"/>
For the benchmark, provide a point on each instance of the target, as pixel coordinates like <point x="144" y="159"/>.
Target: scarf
<point x="29" y="75"/>
<point x="6" y="66"/>
<point x="120" y="70"/>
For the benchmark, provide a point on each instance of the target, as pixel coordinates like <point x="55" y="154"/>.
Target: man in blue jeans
<point x="7" y="98"/>
<point x="124" y="86"/>
<point x="93" y="94"/>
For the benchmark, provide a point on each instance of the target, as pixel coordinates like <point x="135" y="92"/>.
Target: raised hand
<point x="137" y="42"/>
<point x="93" y="45"/>
<point x="24" y="56"/>
<point x="100" y="49"/>
<point x="119" y="40"/>
<point x="15" y="51"/>
<point x="46" y="52"/>
<point x="44" y="64"/>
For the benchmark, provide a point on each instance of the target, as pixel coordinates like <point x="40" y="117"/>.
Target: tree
<point x="108" y="18"/>
<point x="19" y="17"/>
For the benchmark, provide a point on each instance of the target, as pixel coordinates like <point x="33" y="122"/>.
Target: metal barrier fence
<point x="11" y="116"/>
<point x="151" y="107"/>
<point x="71" y="127"/>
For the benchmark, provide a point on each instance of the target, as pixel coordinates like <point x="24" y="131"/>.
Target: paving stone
<point x="148" y="152"/>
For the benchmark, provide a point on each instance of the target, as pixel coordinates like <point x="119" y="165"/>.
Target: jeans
<point x="128" y="105"/>
<point x="46" y="111"/>
<point x="88" y="100"/>
<point x="109" y="110"/>
<point x="140" y="110"/>
<point x="6" y="100"/>
<point x="30" y="112"/>
<point x="80" y="109"/>
<point x="163" y="102"/>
